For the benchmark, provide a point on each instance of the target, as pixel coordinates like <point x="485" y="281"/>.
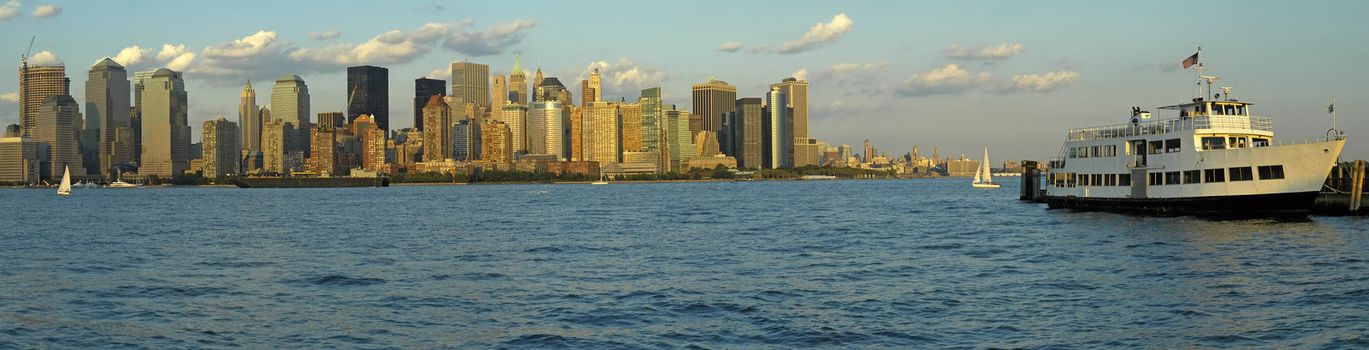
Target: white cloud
<point x="44" y="11"/>
<point x="822" y="34"/>
<point x="801" y="74"/>
<point x="325" y="35"/>
<point x="132" y="55"/>
<point x="9" y="10"/>
<point x="843" y="71"/>
<point x="12" y="96"/>
<point x="176" y="57"/>
<point x="387" y="48"/>
<point x="491" y="41"/>
<point x="985" y="53"/>
<point x="951" y="79"/>
<point x="249" y="46"/>
<point x="730" y="47"/>
<point x="1040" y="82"/>
<point x="623" y="78"/>
<point x="45" y="58"/>
<point x="442" y="73"/>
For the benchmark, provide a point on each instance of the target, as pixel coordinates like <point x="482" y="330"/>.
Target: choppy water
<point x="870" y="264"/>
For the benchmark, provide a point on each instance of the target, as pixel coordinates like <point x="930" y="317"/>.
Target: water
<point x="839" y="264"/>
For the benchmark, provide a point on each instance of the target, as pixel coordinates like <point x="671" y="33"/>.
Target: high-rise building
<point x="651" y="119"/>
<point x="518" y="83"/>
<point x="705" y="144"/>
<point x="631" y="128"/>
<point x="19" y="158"/>
<point x="368" y="90"/>
<point x="165" y="133"/>
<point x="747" y="132"/>
<point x="550" y="89"/>
<point x="500" y="96"/>
<point x="536" y="81"/>
<point x="471" y="84"/>
<point x="576" y="133"/>
<point x="603" y="142"/>
<point x="107" y="103"/>
<point x="274" y="139"/>
<point x="681" y="141"/>
<point x="868" y="153"/>
<point x="249" y="119"/>
<point x="802" y="150"/>
<point x="323" y="156"/>
<point x="222" y="148"/>
<point x="423" y="89"/>
<point x="515" y="115"/>
<point x="290" y="104"/>
<point x="331" y="119"/>
<point x="461" y="140"/>
<point x="778" y="144"/>
<point x="36" y="84"/>
<point x="495" y="146"/>
<point x="437" y="135"/>
<point x="546" y="129"/>
<point x="595" y="91"/>
<point x="711" y="101"/>
<point x="371" y="141"/>
<point x="57" y="123"/>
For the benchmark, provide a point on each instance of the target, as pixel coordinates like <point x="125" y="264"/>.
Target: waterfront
<point x="880" y="263"/>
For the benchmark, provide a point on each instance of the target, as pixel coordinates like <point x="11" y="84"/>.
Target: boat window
<point x="1156" y="179"/>
<point x="1214" y="142"/>
<point x="1271" y="172"/>
<point x="1240" y="174"/>
<point x="1172" y="178"/>
<point x="1073" y="153"/>
<point x="1236" y="142"/>
<point x="1172" y="146"/>
<point x="1156" y="147"/>
<point x="1214" y="175"/>
<point x="1193" y="176"/>
<point x="1083" y="179"/>
<point x="1240" y="110"/>
<point x="1124" y="179"/>
<point x="1072" y="181"/>
<point x="1097" y="180"/>
<point x="1259" y="142"/>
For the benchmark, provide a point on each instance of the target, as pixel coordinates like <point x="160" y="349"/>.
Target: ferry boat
<point x="1215" y="158"/>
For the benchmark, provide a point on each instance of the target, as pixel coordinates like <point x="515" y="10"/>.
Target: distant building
<point x="290" y="104"/>
<point x="332" y="119"/>
<point x="250" y="119"/>
<point x="777" y="131"/>
<point x="107" y="105"/>
<point x="712" y="101"/>
<point x="500" y="96"/>
<point x="165" y="134"/>
<point x="437" y="135"/>
<point x="602" y="140"/>
<point x="650" y="102"/>
<point x="323" y="158"/>
<point x="681" y="141"/>
<point x="57" y="123"/>
<point x="575" y="132"/>
<point x="802" y="151"/>
<point x="222" y="148"/>
<point x="471" y="84"/>
<point x="371" y="140"/>
<point x="515" y="115"/>
<point x="425" y="88"/>
<point x="496" y="145"/>
<point x="961" y="167"/>
<point x="274" y="140"/>
<point x="631" y="129"/>
<point x="545" y="129"/>
<point x="36" y="84"/>
<point x="748" y="131"/>
<point x="461" y="140"/>
<point x="22" y="160"/>
<point x="368" y="90"/>
<point x="518" y="83"/>
<point x="594" y="91"/>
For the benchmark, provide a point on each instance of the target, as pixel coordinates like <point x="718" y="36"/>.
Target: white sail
<point x="977" y="176"/>
<point x="65" y="189"/>
<point x="988" y="176"/>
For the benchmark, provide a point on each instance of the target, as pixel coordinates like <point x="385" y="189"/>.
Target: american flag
<point x="1191" y="60"/>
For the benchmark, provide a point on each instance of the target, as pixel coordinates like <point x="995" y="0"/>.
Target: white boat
<point x="601" y="181"/>
<point x="65" y="188"/>
<point x="119" y="182"/>
<point x="982" y="177"/>
<point x="1215" y="158"/>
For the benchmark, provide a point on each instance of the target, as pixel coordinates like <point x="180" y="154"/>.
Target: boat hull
<point x="1294" y="204"/>
<point x="985" y="185"/>
<point x="310" y="182"/>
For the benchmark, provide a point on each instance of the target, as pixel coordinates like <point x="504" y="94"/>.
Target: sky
<point x="1011" y="76"/>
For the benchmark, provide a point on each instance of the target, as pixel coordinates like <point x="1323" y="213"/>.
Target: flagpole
<point x="1333" y="113"/>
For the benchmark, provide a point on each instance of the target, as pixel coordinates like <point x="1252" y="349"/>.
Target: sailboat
<point x="65" y="189"/>
<point x="982" y="177"/>
<point x="601" y="181"/>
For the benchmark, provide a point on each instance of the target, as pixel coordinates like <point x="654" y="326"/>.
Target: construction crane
<point x="24" y="59"/>
<point x="23" y="90"/>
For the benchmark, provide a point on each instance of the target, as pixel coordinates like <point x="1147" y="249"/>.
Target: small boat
<point x="65" y="188"/>
<point x="982" y="177"/>
<point x="119" y="182"/>
<point x="601" y="181"/>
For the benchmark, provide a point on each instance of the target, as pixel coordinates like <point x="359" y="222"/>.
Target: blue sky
<point x="1009" y="75"/>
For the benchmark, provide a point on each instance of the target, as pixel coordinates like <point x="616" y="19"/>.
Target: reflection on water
<point x="902" y="264"/>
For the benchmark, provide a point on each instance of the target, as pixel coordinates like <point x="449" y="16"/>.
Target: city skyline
<point x="897" y="80"/>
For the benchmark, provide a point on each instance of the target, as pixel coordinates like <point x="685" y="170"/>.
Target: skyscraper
<point x="603" y="142"/>
<point x="518" y="83"/>
<point x="249" y="119"/>
<point x="471" y="84"/>
<point x="595" y="92"/>
<point x="536" y="81"/>
<point x="515" y="115"/>
<point x="711" y="101"/>
<point x="631" y="128"/>
<point x="495" y="146"/>
<point x="681" y="147"/>
<point x="437" y="135"/>
<point x="546" y="129"/>
<point x="576" y="133"/>
<point x="331" y="119"/>
<point x="423" y="89"/>
<point x="651" y="119"/>
<point x="802" y="150"/>
<point x="107" y="102"/>
<point x="57" y="123"/>
<point x="368" y="87"/>
<point x="500" y="96"/>
<point x="747" y="131"/>
<point x="290" y="104"/>
<point x="36" y="84"/>
<point x="777" y="130"/>
<point x="221" y="141"/>
<point x="323" y="156"/>
<point x="461" y="140"/>
<point x="550" y="89"/>
<point x="165" y="134"/>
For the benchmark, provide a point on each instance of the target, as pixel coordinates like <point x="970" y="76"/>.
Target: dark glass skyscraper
<point x="425" y="88"/>
<point x="368" y="87"/>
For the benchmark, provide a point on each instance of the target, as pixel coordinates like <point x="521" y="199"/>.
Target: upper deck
<point x="1227" y="116"/>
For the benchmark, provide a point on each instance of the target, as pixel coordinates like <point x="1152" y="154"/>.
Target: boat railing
<point x="1303" y="141"/>
<point x="1162" y="126"/>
